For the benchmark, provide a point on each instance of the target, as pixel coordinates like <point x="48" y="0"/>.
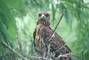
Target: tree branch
<point x="11" y="49"/>
<point x="56" y="25"/>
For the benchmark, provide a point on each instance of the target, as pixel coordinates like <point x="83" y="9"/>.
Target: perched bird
<point x="56" y="46"/>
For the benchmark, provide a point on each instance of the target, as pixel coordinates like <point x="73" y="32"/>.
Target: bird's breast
<point x="38" y="39"/>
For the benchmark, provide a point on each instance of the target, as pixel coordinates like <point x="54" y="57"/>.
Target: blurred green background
<point x="18" y="21"/>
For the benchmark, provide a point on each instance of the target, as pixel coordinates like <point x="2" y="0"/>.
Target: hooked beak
<point x="43" y="17"/>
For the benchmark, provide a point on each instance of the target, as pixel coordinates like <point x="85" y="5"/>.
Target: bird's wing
<point x="34" y="34"/>
<point x="56" y="43"/>
<point x="46" y="32"/>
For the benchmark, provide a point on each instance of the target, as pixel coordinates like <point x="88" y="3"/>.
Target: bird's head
<point x="43" y="16"/>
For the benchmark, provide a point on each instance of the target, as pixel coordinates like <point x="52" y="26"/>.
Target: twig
<point x="34" y="57"/>
<point x="64" y="55"/>
<point x="76" y="56"/>
<point x="48" y="51"/>
<point x="20" y="46"/>
<point x="68" y="54"/>
<point x="48" y="58"/>
<point x="19" y="43"/>
<point x="56" y="26"/>
<point x="45" y="58"/>
<point x="11" y="49"/>
<point x="52" y="35"/>
<point x="82" y="56"/>
<point x="58" y="49"/>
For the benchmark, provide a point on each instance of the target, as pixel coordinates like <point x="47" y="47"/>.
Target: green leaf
<point x="44" y="5"/>
<point x="8" y="23"/>
<point x="3" y="29"/>
<point x="53" y="12"/>
<point x="16" y="4"/>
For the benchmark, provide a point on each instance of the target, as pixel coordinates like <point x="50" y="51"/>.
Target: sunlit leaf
<point x="9" y="21"/>
<point x="3" y="29"/>
<point x="15" y="4"/>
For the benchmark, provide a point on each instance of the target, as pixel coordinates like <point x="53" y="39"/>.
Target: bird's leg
<point x="43" y="56"/>
<point x="49" y="50"/>
<point x="44" y="53"/>
<point x="37" y="54"/>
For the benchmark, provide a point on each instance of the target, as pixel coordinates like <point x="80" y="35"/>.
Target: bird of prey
<point x="56" y="46"/>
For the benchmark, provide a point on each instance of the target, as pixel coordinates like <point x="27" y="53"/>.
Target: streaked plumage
<point x="42" y="34"/>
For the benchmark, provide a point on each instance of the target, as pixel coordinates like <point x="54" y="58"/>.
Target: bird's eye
<point x="40" y="15"/>
<point x="47" y="15"/>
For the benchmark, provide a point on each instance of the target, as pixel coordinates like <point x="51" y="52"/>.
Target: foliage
<point x="18" y="20"/>
<point x="7" y="29"/>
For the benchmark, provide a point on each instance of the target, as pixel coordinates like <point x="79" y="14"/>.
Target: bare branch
<point x="11" y="49"/>
<point x="76" y="56"/>
<point x="58" y="49"/>
<point x="64" y="55"/>
<point x="56" y="26"/>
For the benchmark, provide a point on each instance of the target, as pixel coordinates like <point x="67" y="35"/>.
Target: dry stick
<point x="58" y="50"/>
<point x="8" y="47"/>
<point x="37" y="58"/>
<point x="56" y="26"/>
<point x="64" y="55"/>
<point x="76" y="56"/>
<point x="54" y="31"/>
<point x="82" y="56"/>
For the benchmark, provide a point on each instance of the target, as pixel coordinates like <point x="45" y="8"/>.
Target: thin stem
<point x="11" y="49"/>
<point x="56" y="26"/>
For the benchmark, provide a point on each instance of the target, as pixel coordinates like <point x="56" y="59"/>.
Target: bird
<point x="55" y="46"/>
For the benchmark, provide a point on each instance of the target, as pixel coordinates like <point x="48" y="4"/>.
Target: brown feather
<point x="41" y="37"/>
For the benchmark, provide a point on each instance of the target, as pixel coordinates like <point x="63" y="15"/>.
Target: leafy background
<point x="18" y="21"/>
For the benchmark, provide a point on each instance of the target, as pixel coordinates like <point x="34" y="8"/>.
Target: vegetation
<point x="18" y="20"/>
